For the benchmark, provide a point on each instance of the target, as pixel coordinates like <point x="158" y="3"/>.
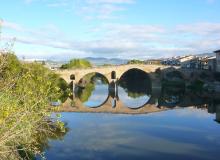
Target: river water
<point x="186" y="133"/>
<point x="187" y="128"/>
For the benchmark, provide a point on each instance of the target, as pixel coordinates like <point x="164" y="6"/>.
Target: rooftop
<point x="218" y="51"/>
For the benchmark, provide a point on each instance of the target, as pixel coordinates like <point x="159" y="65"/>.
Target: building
<point x="212" y="63"/>
<point x="190" y="62"/>
<point x="208" y="63"/>
<point x="171" y="61"/>
<point x="198" y="63"/>
<point x="217" y="60"/>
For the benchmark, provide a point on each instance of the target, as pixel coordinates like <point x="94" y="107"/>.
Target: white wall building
<point x="185" y="61"/>
<point x="217" y="60"/>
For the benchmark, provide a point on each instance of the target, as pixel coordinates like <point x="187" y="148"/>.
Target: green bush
<point x="26" y="91"/>
<point x="77" y="63"/>
<point x="135" y="61"/>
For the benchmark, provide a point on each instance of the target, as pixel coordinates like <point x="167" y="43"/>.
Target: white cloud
<point x="58" y="4"/>
<point x="29" y="1"/>
<point x="123" y="40"/>
<point x="11" y="25"/>
<point x="101" y="9"/>
<point x="110" y="1"/>
<point x="200" y="28"/>
<point x="89" y="9"/>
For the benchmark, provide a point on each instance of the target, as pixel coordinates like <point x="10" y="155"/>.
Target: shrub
<point x="77" y="63"/>
<point x="134" y="61"/>
<point x="25" y="93"/>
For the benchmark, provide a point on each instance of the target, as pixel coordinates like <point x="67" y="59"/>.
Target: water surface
<point x="186" y="133"/>
<point x="185" y="128"/>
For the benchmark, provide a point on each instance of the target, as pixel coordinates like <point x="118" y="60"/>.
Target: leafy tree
<point x="64" y="89"/>
<point x="77" y="63"/>
<point x="26" y="91"/>
<point x="134" y="61"/>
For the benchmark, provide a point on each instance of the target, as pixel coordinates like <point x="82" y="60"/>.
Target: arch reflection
<point x="134" y="88"/>
<point x="92" y="90"/>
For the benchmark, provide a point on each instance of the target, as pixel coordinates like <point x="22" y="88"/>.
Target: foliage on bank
<point x="135" y="61"/>
<point x="77" y="63"/>
<point x="26" y="91"/>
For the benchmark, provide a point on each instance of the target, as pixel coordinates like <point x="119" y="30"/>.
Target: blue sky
<point x="64" y="29"/>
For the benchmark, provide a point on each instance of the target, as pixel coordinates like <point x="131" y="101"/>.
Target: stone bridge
<point x="151" y="106"/>
<point x="106" y="71"/>
<point x="120" y="70"/>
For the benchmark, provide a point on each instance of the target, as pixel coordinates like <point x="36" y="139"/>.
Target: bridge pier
<point x="113" y="89"/>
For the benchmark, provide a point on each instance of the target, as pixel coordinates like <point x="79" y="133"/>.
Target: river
<point x="185" y="126"/>
<point x="186" y="133"/>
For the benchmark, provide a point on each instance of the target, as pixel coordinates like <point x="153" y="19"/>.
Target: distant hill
<point x="102" y="61"/>
<point x="92" y="60"/>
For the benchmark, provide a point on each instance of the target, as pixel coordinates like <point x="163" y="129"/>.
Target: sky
<point x="128" y="29"/>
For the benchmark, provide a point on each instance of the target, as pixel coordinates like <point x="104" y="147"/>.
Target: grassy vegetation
<point x="26" y="91"/>
<point x="77" y="63"/>
<point x="107" y="65"/>
<point x="134" y="61"/>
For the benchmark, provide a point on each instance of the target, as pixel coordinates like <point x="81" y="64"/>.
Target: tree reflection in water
<point x="92" y="87"/>
<point x="137" y="86"/>
<point x="45" y="134"/>
<point x="136" y="83"/>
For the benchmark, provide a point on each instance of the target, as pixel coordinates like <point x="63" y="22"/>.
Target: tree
<point x="25" y="94"/>
<point x="134" y="61"/>
<point x="77" y="63"/>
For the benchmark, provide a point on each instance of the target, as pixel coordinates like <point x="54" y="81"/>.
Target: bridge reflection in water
<point x="133" y="93"/>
